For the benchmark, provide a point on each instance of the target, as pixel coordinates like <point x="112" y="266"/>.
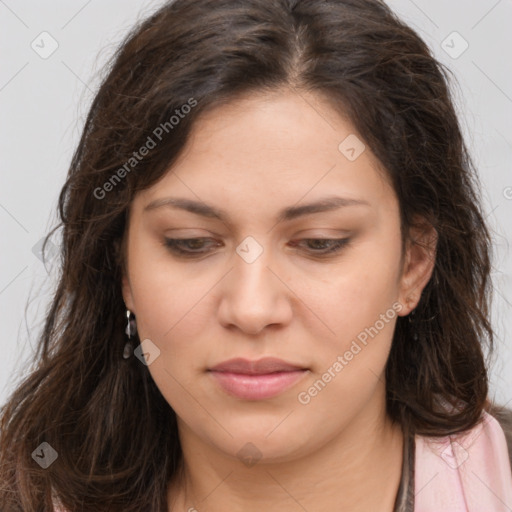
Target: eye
<point x="190" y="247"/>
<point x="186" y="246"/>
<point x="324" y="246"/>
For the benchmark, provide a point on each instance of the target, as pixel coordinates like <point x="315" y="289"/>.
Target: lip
<point x="260" y="367"/>
<point x="256" y="380"/>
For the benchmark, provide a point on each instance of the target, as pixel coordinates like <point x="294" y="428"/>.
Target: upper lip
<point x="260" y="367"/>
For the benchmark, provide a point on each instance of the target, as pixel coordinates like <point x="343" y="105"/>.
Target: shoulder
<point x="493" y="433"/>
<point x="460" y="470"/>
<point x="492" y="436"/>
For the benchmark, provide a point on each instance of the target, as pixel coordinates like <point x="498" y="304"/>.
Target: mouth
<point x="256" y="380"/>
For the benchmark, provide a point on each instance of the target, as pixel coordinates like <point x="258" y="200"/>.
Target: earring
<point x="130" y="331"/>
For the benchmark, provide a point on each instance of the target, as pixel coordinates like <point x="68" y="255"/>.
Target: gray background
<point x="43" y="103"/>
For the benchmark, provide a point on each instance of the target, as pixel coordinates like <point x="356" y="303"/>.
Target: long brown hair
<point x="114" y="433"/>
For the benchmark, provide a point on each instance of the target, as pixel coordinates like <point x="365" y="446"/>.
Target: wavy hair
<point x="115" y="435"/>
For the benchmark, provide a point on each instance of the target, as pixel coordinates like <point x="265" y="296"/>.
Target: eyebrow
<point x="291" y="212"/>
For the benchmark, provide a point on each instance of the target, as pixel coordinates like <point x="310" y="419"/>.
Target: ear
<point x="418" y="265"/>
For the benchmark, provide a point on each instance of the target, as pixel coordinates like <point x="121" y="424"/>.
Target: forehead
<point x="283" y="147"/>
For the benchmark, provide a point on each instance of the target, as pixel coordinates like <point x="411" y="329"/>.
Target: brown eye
<point x="322" y="246"/>
<point x="187" y="246"/>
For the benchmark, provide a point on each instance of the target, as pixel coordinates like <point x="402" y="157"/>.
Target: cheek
<point x="357" y="293"/>
<point x="166" y="294"/>
<point x="170" y="313"/>
<point x="351" y="362"/>
<point x="359" y="304"/>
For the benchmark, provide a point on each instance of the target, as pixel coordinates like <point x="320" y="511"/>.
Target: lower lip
<point x="257" y="387"/>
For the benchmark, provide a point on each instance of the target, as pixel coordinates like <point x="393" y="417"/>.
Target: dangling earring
<point x="130" y="331"/>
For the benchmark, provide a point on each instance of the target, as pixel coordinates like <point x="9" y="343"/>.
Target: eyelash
<point x="173" y="244"/>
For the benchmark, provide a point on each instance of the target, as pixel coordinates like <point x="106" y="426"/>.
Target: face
<point x="248" y="272"/>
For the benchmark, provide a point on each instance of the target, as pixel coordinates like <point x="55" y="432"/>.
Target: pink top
<point x="462" y="473"/>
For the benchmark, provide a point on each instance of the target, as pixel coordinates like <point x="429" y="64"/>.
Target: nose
<point x="255" y="295"/>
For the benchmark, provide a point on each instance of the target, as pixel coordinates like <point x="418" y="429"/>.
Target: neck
<point x="358" y="470"/>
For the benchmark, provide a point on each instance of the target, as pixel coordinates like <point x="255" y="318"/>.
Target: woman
<point x="275" y="284"/>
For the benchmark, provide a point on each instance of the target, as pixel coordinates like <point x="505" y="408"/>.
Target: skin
<point x="253" y="158"/>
